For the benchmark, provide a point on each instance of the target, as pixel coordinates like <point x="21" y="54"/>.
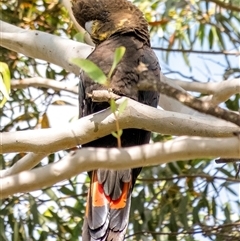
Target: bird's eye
<point x="88" y="26"/>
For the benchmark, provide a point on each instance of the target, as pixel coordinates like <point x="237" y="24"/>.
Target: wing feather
<point x="109" y="197"/>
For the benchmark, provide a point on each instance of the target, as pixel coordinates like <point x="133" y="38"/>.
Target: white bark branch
<point x="39" y="82"/>
<point x="136" y="115"/>
<point x="220" y="92"/>
<point x="168" y="103"/>
<point x="32" y="159"/>
<point x="37" y="44"/>
<point x="183" y="148"/>
<point x="29" y="161"/>
<point x="207" y="88"/>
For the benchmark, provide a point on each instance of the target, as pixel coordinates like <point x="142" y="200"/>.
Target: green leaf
<point x="173" y="224"/>
<point x="43" y="236"/>
<point x="5" y="83"/>
<point x="48" y="214"/>
<point x="214" y="209"/>
<point x="34" y="209"/>
<point x="73" y="211"/>
<point x="195" y="213"/>
<point x="2" y="228"/>
<point x="120" y="132"/>
<point x="220" y="39"/>
<point x="231" y="190"/>
<point x="227" y="214"/>
<point x="16" y="231"/>
<point x="233" y="103"/>
<point x="66" y="191"/>
<point x="174" y="168"/>
<point x="201" y="33"/>
<point x="185" y="57"/>
<point x="91" y="69"/>
<point x="210" y="38"/>
<point x="118" y="54"/>
<point x="79" y="37"/>
<point x="183" y="211"/>
<point x="186" y="37"/>
<point x="51" y="194"/>
<point x="122" y="106"/>
<point x="114" y="134"/>
<point x="224" y="171"/>
<point x="113" y="105"/>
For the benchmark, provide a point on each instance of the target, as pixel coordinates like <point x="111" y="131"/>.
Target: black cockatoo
<point x="111" y="24"/>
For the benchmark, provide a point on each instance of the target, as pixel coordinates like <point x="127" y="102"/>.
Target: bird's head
<point x="103" y="18"/>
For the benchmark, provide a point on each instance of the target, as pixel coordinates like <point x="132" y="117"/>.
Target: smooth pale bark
<point x="40" y="82"/>
<point x="40" y="45"/>
<point x="182" y="148"/>
<point x="219" y="91"/>
<point x="136" y="115"/>
<point x="27" y="162"/>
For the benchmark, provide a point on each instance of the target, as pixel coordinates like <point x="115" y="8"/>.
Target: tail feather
<point x="107" y="218"/>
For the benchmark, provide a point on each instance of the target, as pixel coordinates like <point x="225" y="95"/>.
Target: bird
<point x="112" y="24"/>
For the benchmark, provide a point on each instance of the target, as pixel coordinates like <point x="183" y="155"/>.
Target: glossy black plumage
<point x="107" y="218"/>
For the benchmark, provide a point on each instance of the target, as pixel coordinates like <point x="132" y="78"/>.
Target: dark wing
<point x="81" y="97"/>
<point x="125" y="77"/>
<point x="109" y="197"/>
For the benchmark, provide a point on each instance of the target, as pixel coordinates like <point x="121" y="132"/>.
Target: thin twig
<point x="197" y="51"/>
<point x="40" y="82"/>
<point x="225" y="5"/>
<point x="208" y="177"/>
<point x="204" y="229"/>
<point x="221" y="160"/>
<point x="149" y="82"/>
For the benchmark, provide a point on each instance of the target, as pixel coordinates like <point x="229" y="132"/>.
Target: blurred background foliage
<point x="185" y="200"/>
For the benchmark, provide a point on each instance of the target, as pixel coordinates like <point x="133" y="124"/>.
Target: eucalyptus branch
<point x="89" y="128"/>
<point x="39" y="82"/>
<point x="209" y="178"/>
<point x="103" y="96"/>
<point x="29" y="161"/>
<point x="203" y="229"/>
<point x="82" y="131"/>
<point x="37" y="44"/>
<point x="119" y="158"/>
<point x="197" y="51"/>
<point x="219" y="92"/>
<point x="225" y="5"/>
<point x="148" y="83"/>
<point x="212" y="88"/>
